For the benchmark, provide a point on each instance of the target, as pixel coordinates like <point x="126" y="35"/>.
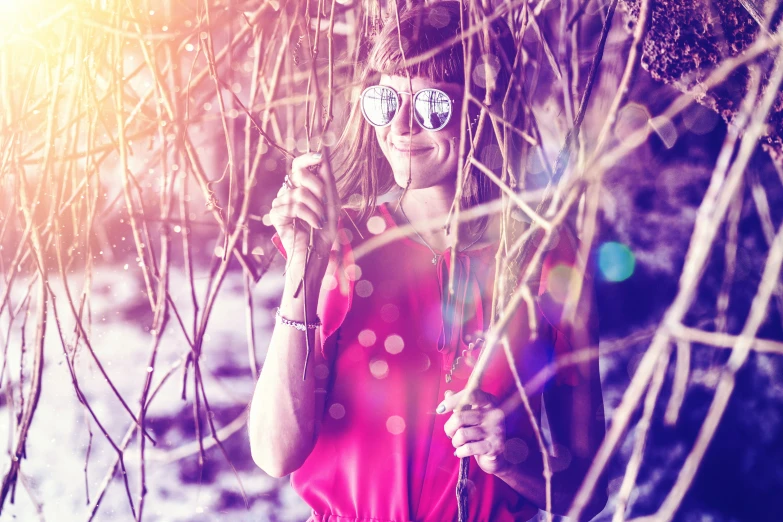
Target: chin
<point x="402" y="182"/>
<point x="401" y="178"/>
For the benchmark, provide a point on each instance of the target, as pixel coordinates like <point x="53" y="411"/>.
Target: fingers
<point x="474" y="399"/>
<point x="305" y="161"/>
<point x="492" y="421"/>
<point x="468" y="434"/>
<point x="461" y="419"/>
<point x="471" y="449"/>
<point x="302" y="175"/>
<point x="298" y="203"/>
<point x="314" y="172"/>
<point x="485" y="440"/>
<point x="476" y="427"/>
<point x="305" y="196"/>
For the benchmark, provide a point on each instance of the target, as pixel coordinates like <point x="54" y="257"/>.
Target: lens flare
<point x="616" y="262"/>
<point x="367" y="338"/>
<point x="395" y="424"/>
<point x="559" y="281"/>
<point x="394" y="344"/>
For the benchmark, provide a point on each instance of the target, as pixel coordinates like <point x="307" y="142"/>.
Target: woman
<point x="372" y="431"/>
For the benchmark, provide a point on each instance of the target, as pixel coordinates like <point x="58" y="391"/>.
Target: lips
<point x="409" y="149"/>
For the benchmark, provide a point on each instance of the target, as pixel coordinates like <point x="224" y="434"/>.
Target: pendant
<point x="451" y="371"/>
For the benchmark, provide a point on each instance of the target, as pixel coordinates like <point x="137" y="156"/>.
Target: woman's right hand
<point x="306" y="204"/>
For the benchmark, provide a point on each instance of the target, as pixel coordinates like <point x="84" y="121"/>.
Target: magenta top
<point x="391" y="334"/>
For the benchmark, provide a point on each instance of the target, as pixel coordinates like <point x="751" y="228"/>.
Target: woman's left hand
<point x="478" y="430"/>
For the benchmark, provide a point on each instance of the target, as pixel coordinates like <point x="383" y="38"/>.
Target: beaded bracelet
<point x="296" y="324"/>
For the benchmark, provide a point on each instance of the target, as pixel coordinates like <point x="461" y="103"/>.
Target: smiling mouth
<point x="410" y="150"/>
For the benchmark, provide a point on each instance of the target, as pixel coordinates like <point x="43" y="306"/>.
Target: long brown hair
<point x="364" y="174"/>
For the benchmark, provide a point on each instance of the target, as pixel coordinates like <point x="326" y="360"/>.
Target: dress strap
<point x="467" y="294"/>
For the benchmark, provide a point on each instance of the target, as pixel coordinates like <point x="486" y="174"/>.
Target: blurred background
<point x="142" y="141"/>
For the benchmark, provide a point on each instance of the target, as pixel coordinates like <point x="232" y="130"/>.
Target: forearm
<point x="283" y="411"/>
<point x="527" y="478"/>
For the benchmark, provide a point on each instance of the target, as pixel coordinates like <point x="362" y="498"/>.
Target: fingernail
<point x="320" y="223"/>
<point x="317" y="155"/>
<point x="440" y="409"/>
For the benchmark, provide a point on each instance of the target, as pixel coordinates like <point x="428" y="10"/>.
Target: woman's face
<point x="428" y="157"/>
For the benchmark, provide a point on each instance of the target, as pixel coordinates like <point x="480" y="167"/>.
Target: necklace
<point x="434" y="254"/>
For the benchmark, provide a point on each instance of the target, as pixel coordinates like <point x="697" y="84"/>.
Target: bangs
<point x="419" y="35"/>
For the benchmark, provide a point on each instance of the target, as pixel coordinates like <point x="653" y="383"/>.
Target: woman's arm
<point x="480" y="432"/>
<point x="568" y="472"/>
<point x="573" y="404"/>
<point x="286" y="409"/>
<point x="574" y="411"/>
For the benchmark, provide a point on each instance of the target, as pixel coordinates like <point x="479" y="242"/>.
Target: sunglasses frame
<point x="413" y="101"/>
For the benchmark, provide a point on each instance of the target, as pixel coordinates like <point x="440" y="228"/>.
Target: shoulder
<point x="563" y="245"/>
<point x="563" y="258"/>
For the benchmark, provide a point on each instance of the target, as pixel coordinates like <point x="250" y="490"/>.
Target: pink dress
<point x="385" y="362"/>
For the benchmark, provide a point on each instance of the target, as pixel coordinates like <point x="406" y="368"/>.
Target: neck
<point x="428" y="204"/>
<point x="427" y="210"/>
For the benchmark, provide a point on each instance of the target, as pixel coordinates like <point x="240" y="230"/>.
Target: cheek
<point x="451" y="146"/>
<point x="450" y="135"/>
<point x="380" y="135"/>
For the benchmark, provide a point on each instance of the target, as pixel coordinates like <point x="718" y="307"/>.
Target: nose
<point x="403" y="122"/>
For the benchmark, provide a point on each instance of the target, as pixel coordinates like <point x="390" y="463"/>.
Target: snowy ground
<point x="177" y="491"/>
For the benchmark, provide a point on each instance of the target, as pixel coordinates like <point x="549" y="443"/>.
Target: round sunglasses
<point x="432" y="108"/>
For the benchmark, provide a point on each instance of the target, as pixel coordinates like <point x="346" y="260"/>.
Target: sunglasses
<point x="432" y="108"/>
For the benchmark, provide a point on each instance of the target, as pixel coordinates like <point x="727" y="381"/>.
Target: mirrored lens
<point x="432" y="109"/>
<point x="379" y="105"/>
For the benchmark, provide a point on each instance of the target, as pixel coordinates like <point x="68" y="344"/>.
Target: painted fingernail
<point x="441" y="409"/>
<point x="317" y="155"/>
